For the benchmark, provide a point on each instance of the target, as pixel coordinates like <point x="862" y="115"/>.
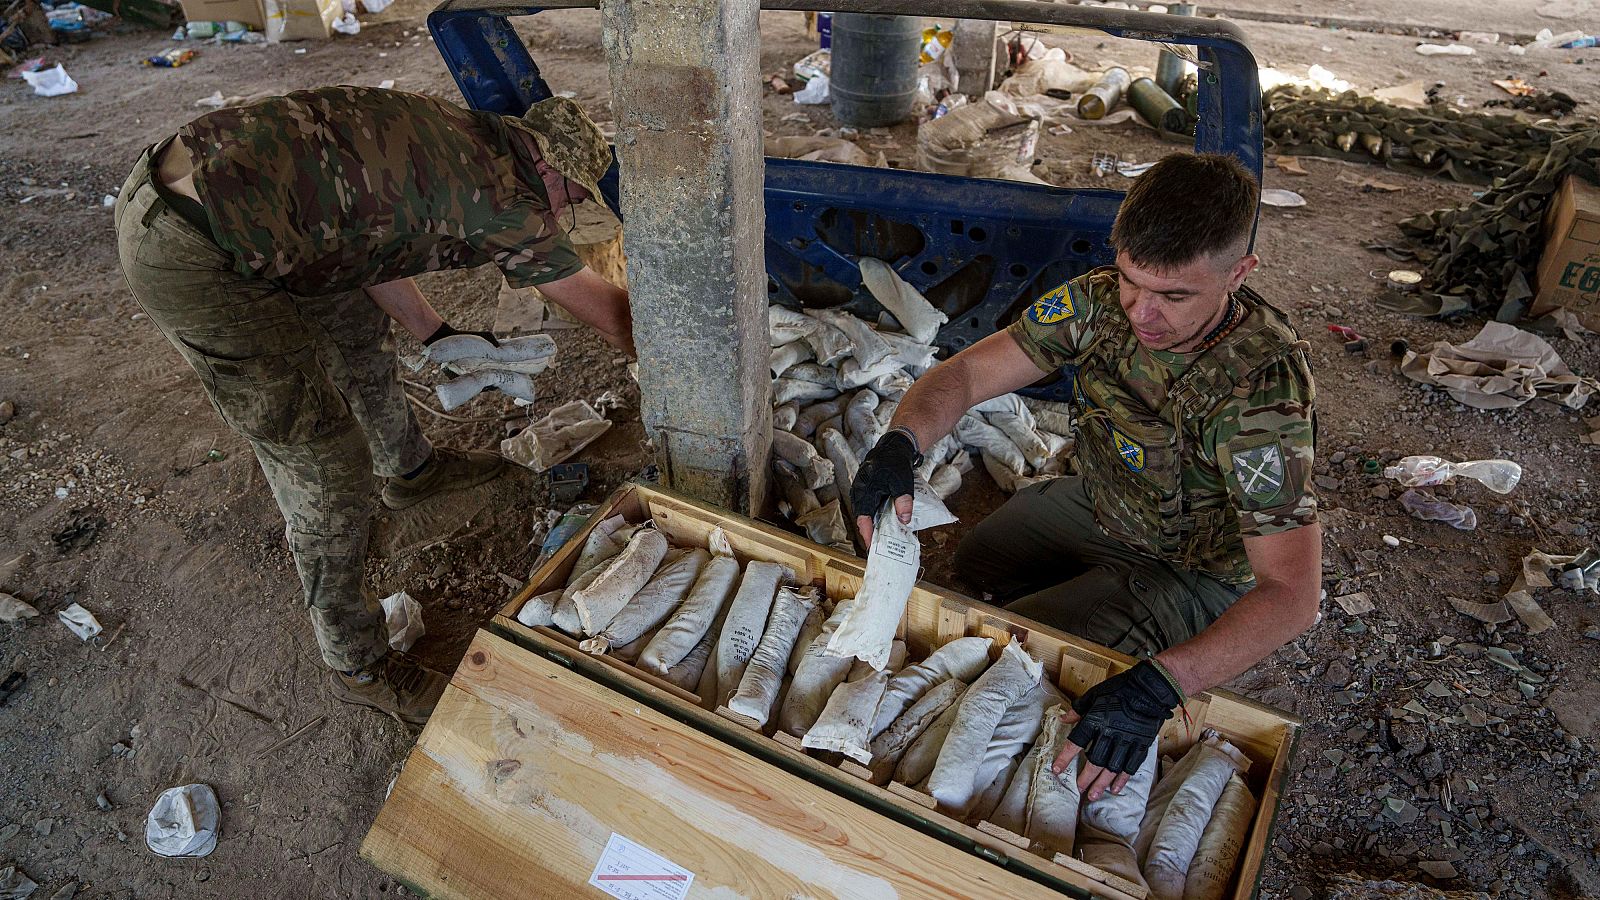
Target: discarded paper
<point x="184" y="821"/>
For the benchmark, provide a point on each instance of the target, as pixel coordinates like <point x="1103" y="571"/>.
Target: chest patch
<point x="1260" y="472"/>
<point x="1131" y="453"/>
<point x="1053" y="307"/>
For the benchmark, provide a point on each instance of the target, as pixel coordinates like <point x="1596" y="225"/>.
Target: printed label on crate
<point x="631" y="872"/>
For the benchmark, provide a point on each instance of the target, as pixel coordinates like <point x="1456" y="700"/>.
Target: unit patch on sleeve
<point x="1053" y="307"/>
<point x="1260" y="472"/>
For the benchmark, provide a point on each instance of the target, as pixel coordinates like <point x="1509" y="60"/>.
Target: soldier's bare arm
<point x="993" y="366"/>
<point x="1288" y="567"/>
<point x="403" y="302"/>
<point x="596" y="303"/>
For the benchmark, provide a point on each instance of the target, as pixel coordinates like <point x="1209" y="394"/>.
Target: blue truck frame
<point x="979" y="249"/>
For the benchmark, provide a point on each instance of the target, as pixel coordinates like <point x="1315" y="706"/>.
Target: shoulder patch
<point x="1129" y="450"/>
<point x="1260" y="472"/>
<point x="1055" y="306"/>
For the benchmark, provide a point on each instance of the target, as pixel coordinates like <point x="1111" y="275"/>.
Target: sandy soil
<point x="208" y="673"/>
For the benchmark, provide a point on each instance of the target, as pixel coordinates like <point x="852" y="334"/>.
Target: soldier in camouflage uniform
<point x="273" y="243"/>
<point x="1189" y="533"/>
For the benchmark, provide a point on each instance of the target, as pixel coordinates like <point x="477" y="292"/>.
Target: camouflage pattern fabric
<point x="1042" y="555"/>
<point x="570" y="142"/>
<point x="309" y="383"/>
<point x="1473" y="148"/>
<point x="1184" y="453"/>
<point x="338" y="188"/>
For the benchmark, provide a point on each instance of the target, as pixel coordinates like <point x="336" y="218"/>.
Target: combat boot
<point x="446" y="470"/>
<point x="395" y="684"/>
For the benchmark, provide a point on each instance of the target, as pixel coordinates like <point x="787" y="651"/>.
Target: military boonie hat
<point x="570" y="142"/>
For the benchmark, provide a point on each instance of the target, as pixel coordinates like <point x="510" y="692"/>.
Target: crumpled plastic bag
<point x="51" y="82"/>
<point x="14" y="885"/>
<point x="80" y="621"/>
<point x="991" y="138"/>
<point x="555" y="438"/>
<point x="184" y="821"/>
<point x="403" y="615"/>
<point x="1502" y="367"/>
<point x="815" y="93"/>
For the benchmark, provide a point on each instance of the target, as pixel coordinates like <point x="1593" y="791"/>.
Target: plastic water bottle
<point x="1588" y="40"/>
<point x="1498" y="475"/>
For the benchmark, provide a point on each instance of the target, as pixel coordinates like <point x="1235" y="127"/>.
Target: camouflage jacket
<point x="343" y="187"/>
<point x="1184" y="454"/>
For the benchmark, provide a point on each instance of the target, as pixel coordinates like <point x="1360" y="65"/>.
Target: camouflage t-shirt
<point x="344" y="187"/>
<point x="1244" y="470"/>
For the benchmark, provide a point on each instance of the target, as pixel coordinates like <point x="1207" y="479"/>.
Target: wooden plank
<point x="912" y="795"/>
<point x="1110" y="885"/>
<point x="527" y="769"/>
<point x="632" y="671"/>
<point x="1004" y="834"/>
<point x="739" y="719"/>
<point x="1248" y="871"/>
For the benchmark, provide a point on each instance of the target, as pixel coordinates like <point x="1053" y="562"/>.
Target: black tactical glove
<point x="444" y="330"/>
<point x="1122" y="715"/>
<point x="887" y="472"/>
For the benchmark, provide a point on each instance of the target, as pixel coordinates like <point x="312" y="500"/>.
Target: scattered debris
<point x="1290" y="165"/>
<point x="1445" y="50"/>
<point x="403" y="616"/>
<point x="1281" y="198"/>
<point x="1502" y="367"/>
<point x="81" y="531"/>
<point x="171" y="59"/>
<point x="184" y="822"/>
<point x="1495" y="613"/>
<point x="562" y="432"/>
<point x="14" y="885"/>
<point x="80" y="621"/>
<point x="51" y="82"/>
<point x="1356" y="604"/>
<point x="1516" y="87"/>
<point x="14" y="610"/>
<point x="1498" y="475"/>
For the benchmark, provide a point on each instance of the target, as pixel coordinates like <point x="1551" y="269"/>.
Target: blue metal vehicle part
<point x="979" y="249"/>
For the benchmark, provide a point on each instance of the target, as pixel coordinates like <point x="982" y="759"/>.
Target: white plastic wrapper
<point x="937" y="455"/>
<point x="653" y="603"/>
<point x="867" y="633"/>
<point x="1172" y="851"/>
<point x="825" y="525"/>
<point x="811" y="416"/>
<point x="914" y="357"/>
<point x="945" y="482"/>
<point x="845" y="725"/>
<point x="954" y="779"/>
<point x="866" y="346"/>
<point x="403" y="616"/>
<point x="785" y="416"/>
<point x="80" y="621"/>
<point x="1221" y="843"/>
<point x="527" y="355"/>
<point x="912" y="310"/>
<point x="763" y="676"/>
<point x="853" y="374"/>
<point x="927" y="510"/>
<point x="747" y="620"/>
<point x="623" y="577"/>
<point x="793" y="490"/>
<point x="829" y="343"/>
<point x="861" y="428"/>
<point x="918" y="760"/>
<point x="184" y="822"/>
<point x="790" y="355"/>
<point x="815" y="676"/>
<point x="793" y="390"/>
<point x="788" y="325"/>
<point x="979" y="435"/>
<point x="891" y="386"/>
<point x="1007" y="413"/>
<point x="803" y="456"/>
<point x="693" y="619"/>
<point x="457" y="391"/>
<point x="556" y="437"/>
<point x="815" y="373"/>
<point x="1039" y="804"/>
<point x="1107" y="827"/>
<point x="962" y="659"/>
<point x="890" y="745"/>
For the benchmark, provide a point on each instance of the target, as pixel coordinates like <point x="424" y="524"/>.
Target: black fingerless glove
<point x="1122" y="716"/>
<point x="887" y="472"/>
<point x="444" y="330"/>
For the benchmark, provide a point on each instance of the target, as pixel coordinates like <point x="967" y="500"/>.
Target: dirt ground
<point x="1422" y="758"/>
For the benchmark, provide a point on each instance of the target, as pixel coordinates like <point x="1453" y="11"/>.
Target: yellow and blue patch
<point x="1128" y="450"/>
<point x="1055" y="306"/>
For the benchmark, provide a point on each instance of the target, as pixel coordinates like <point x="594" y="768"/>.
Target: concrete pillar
<point x="686" y="88"/>
<point x="976" y="66"/>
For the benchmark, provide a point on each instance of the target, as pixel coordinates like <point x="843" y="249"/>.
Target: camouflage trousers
<point x="1042" y="555"/>
<point x="311" y="382"/>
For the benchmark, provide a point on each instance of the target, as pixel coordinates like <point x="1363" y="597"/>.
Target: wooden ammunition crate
<point x="540" y="753"/>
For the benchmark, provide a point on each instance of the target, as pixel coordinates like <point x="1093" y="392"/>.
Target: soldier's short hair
<point x="1186" y="207"/>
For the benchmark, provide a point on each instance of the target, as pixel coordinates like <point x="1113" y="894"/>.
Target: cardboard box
<point x="302" y="20"/>
<point x="249" y="12"/>
<point x="1569" y="271"/>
